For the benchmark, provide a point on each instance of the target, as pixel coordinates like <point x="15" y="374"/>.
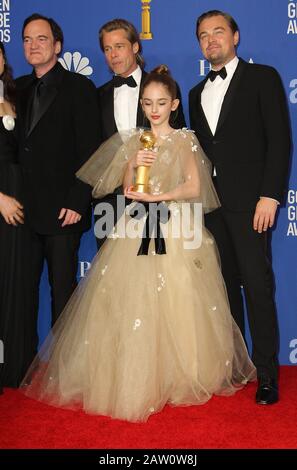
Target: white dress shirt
<point x="213" y="95"/>
<point x="126" y="103"/>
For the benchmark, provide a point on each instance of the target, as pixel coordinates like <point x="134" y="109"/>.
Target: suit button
<point x="27" y="149"/>
<point x="214" y="142"/>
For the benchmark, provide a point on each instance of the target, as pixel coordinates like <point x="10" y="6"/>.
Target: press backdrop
<point x="268" y="36"/>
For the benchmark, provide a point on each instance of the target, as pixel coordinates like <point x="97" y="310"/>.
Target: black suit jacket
<point x="251" y="145"/>
<point x="62" y="137"/>
<point x="106" y="111"/>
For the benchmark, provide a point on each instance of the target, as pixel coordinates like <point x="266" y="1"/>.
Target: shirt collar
<point x="137" y="75"/>
<point x="231" y="66"/>
<point x="50" y="77"/>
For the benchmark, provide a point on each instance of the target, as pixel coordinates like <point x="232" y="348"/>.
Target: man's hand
<point x="11" y="210"/>
<point x="264" y="214"/>
<point x="70" y="217"/>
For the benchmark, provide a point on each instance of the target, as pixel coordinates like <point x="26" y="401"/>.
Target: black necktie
<point x="36" y="100"/>
<point x="214" y="73"/>
<point x="119" y="81"/>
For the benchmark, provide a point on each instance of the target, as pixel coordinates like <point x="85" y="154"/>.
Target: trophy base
<point x="146" y="36"/>
<point x="141" y="188"/>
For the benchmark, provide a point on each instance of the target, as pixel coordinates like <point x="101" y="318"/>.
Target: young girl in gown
<point x="145" y="330"/>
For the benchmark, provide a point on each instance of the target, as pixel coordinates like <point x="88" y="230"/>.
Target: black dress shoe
<point x="267" y="392"/>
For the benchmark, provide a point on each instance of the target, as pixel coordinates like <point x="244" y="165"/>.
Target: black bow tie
<point x="119" y="81"/>
<point x="214" y="73"/>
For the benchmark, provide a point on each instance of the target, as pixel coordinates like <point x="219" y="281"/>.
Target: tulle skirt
<point x="143" y="331"/>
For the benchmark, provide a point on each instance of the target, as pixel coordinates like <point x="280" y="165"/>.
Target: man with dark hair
<point x="240" y="116"/>
<point x="118" y="99"/>
<point x="58" y="117"/>
<point x="55" y="28"/>
<point x="210" y="14"/>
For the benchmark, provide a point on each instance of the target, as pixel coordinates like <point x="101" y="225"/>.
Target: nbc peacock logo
<point x="74" y="62"/>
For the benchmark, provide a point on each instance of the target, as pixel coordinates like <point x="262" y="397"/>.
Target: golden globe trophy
<point x="146" y="20"/>
<point x="141" y="185"/>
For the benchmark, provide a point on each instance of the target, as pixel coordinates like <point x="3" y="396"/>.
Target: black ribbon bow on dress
<point x="155" y="214"/>
<point x="214" y="73"/>
<point x="118" y="81"/>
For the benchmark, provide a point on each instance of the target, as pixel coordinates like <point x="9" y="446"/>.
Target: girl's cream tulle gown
<point x="143" y="331"/>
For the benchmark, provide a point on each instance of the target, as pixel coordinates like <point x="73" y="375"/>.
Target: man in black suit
<point x="118" y="99"/>
<point x="240" y="116"/>
<point x="58" y="120"/>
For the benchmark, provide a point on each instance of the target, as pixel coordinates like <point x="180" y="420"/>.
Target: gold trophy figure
<point x="148" y="141"/>
<point x="146" y="20"/>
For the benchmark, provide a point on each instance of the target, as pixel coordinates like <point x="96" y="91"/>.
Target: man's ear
<point x="135" y="47"/>
<point x="58" y="47"/>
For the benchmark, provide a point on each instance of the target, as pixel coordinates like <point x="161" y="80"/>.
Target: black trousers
<point x="61" y="254"/>
<point x="244" y="261"/>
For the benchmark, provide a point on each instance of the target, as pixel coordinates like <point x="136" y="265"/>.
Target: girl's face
<point x="157" y="104"/>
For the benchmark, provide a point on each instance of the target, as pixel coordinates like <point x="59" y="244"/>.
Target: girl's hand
<point x="145" y="158"/>
<point x="144" y="197"/>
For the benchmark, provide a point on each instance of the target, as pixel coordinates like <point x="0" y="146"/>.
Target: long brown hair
<point x="7" y="79"/>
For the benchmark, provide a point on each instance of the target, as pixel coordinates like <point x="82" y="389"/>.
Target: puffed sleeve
<point x="105" y="169"/>
<point x="195" y="165"/>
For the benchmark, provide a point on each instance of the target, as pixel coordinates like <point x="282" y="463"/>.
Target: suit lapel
<point x="108" y="109"/>
<point x="204" y="126"/>
<point x="24" y="99"/>
<point x="140" y="119"/>
<point x="46" y="101"/>
<point x="44" y="105"/>
<point x="230" y="94"/>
